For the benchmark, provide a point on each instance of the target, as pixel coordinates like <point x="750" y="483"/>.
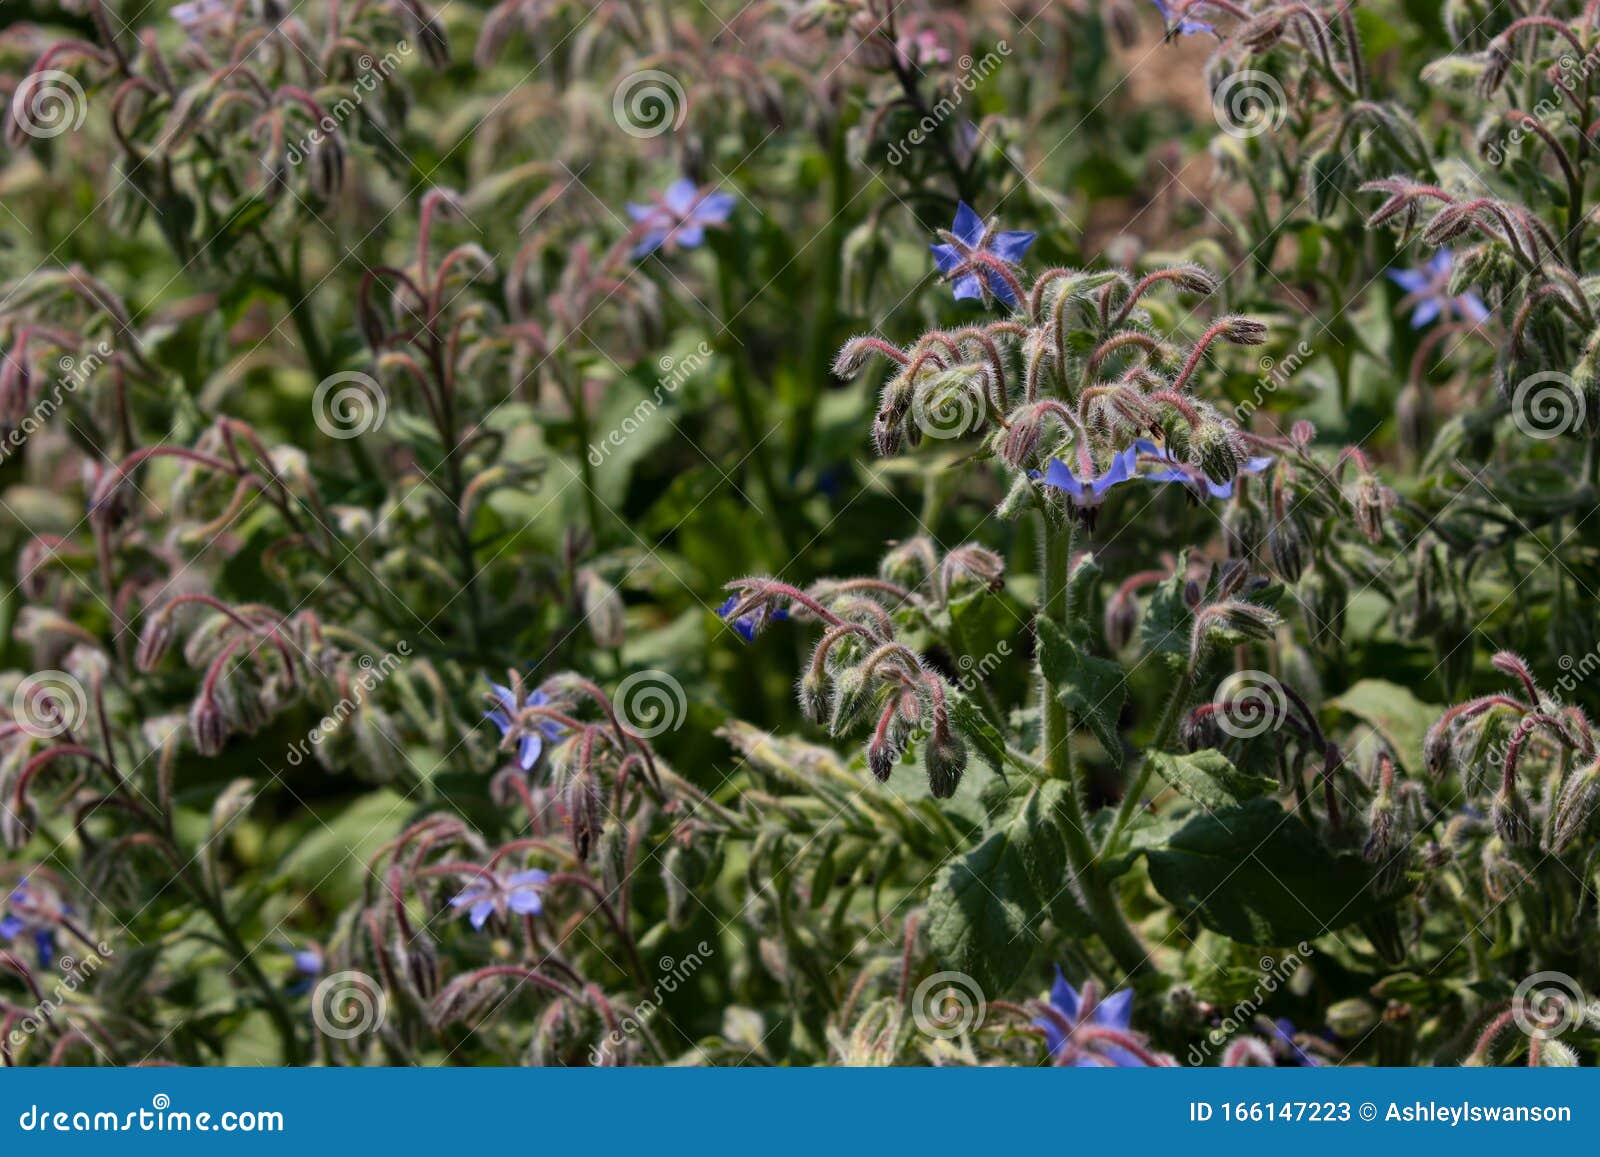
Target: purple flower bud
<point x="944" y="757"/>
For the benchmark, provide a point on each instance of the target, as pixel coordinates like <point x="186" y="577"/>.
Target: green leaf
<point x="1259" y="876"/>
<point x="1394" y="713"/>
<point x="1209" y="778"/>
<point x="970" y="721"/>
<point x="1164" y="626"/>
<point x="1092" y="689"/>
<point x="986" y="907"/>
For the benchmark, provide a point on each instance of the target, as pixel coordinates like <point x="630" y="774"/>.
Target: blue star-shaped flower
<point x="1085" y="488"/>
<point x="1186" y="26"/>
<point x="532" y="743"/>
<point x="1284" y="1043"/>
<point x="1192" y="476"/>
<point x="749" y="625"/>
<point x="17" y="923"/>
<point x="678" y="217"/>
<point x="517" y="893"/>
<point x="1428" y="293"/>
<point x="1114" y="1012"/>
<point x="969" y="236"/>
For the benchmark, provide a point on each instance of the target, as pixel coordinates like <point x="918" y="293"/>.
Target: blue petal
<point x="1471" y="307"/>
<point x="641" y="212"/>
<point x="746" y="626"/>
<point x="1255" y="465"/>
<point x="1171" y="474"/>
<point x="680" y="196"/>
<point x="481" y="911"/>
<point x="11" y="927"/>
<point x="689" y="236"/>
<point x="1054" y="1039"/>
<point x="45" y="941"/>
<point x="968" y="226"/>
<point x="470" y="895"/>
<point x="528" y="749"/>
<point x="308" y="961"/>
<point x="999" y="287"/>
<point x="500" y="719"/>
<point x="1426" y="311"/>
<point x="1116" y="1010"/>
<point x="1121" y="470"/>
<point x="966" y="286"/>
<point x="945" y="257"/>
<point x="526" y="902"/>
<point x="727" y="605"/>
<point x="1059" y="475"/>
<point x="649" y="243"/>
<point x="1011" y="246"/>
<point x="1117" y="1057"/>
<point x="1441" y="261"/>
<point x="531" y="876"/>
<point x="715" y="207"/>
<point x="1219" y="489"/>
<point x="1064" y="996"/>
<point x="508" y="701"/>
<point x="1410" y="280"/>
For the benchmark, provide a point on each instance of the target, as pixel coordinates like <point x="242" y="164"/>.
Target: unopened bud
<point x="945" y="759"/>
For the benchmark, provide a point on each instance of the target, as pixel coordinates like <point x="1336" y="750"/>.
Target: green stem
<point x="1060" y="763"/>
<point x="1164" y="729"/>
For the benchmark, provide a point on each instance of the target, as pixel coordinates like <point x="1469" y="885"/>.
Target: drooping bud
<point x="852" y="695"/>
<point x="1286" y="543"/>
<point x="1121" y="617"/>
<point x="154" y="641"/>
<point x="908" y="563"/>
<point x="944" y="757"/>
<point x="813" y="694"/>
<point x="208" y="725"/>
<point x="1215" y="449"/>
<point x="1512" y="821"/>
<point x="601" y="607"/>
<point x="1373" y="501"/>
<point x="1574" y="807"/>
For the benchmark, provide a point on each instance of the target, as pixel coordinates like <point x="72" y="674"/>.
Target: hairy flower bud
<point x="1121" y="618"/>
<point x="601" y="607"/>
<point x="1373" y="501"/>
<point x="1286" y="546"/>
<point x="1215" y="449"/>
<point x="208" y="725"/>
<point x="813" y="694"/>
<point x="945" y="759"/>
<point x="1512" y="821"/>
<point x="852" y="695"/>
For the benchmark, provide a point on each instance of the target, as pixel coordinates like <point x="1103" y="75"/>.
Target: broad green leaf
<point x="1394" y="713"/>
<point x="986" y="907"/>
<point x="1260" y="876"/>
<point x="1209" y="778"/>
<point x="970" y="721"/>
<point x="1091" y="688"/>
